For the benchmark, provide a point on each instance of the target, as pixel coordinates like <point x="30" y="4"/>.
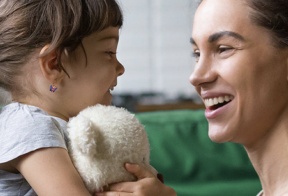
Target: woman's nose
<point x="203" y="73"/>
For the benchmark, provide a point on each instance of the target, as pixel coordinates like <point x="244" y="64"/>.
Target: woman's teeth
<point x="217" y="100"/>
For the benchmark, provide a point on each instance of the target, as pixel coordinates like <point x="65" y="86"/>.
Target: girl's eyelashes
<point x="111" y="53"/>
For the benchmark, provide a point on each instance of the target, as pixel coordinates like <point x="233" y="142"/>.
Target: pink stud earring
<point x="53" y="88"/>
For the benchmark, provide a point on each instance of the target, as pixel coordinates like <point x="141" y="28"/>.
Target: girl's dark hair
<point x="272" y="15"/>
<point x="26" y="25"/>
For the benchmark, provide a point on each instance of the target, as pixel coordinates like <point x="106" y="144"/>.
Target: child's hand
<point x="147" y="185"/>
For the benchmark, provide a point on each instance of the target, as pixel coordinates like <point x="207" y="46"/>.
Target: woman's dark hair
<point x="26" y="25"/>
<point x="272" y="15"/>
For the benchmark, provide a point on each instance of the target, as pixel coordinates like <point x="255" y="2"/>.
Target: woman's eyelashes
<point x="225" y="52"/>
<point x="222" y="49"/>
<point x="196" y="55"/>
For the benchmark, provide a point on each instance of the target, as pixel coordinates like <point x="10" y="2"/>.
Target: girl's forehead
<point x="108" y="33"/>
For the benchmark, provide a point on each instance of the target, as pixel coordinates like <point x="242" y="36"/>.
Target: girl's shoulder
<point x="23" y="116"/>
<point x="18" y="111"/>
<point x="25" y="128"/>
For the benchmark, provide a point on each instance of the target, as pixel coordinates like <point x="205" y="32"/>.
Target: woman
<point x="241" y="49"/>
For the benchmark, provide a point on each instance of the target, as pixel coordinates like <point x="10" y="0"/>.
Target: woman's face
<point x="240" y="75"/>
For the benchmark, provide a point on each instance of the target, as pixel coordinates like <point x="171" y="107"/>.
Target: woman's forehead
<point x="221" y="16"/>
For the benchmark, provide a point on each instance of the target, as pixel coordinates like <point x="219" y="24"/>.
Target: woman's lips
<point x="216" y="105"/>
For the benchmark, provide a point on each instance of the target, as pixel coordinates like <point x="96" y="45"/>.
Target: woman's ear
<point x="50" y="67"/>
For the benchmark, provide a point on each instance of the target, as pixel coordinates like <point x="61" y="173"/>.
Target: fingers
<point x="147" y="184"/>
<point x="139" y="172"/>
<point x="119" y="189"/>
<point x="144" y="176"/>
<point x="113" y="194"/>
<point x="127" y="187"/>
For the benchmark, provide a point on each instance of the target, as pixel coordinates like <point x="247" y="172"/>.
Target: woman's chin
<point x="219" y="136"/>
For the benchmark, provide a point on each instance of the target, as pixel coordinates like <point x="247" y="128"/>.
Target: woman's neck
<point x="270" y="160"/>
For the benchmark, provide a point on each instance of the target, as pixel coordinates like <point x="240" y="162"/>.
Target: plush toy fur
<point x="102" y="139"/>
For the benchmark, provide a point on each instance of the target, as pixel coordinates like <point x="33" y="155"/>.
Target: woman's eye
<point x="224" y="49"/>
<point x="196" y="55"/>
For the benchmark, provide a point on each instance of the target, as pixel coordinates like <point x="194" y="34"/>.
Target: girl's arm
<point x="50" y="171"/>
<point x="147" y="185"/>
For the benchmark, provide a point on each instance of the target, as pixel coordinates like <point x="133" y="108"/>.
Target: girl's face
<point x="93" y="71"/>
<point x="240" y="75"/>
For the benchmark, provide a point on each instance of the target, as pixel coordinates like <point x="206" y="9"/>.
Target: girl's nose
<point x="120" y="68"/>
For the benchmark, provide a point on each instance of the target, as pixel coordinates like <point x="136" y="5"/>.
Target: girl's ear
<point x="50" y="67"/>
<point x="287" y="69"/>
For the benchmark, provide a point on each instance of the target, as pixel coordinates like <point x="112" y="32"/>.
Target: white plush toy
<point x="102" y="139"/>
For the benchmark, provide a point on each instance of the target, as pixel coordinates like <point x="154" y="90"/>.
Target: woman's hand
<point x="147" y="185"/>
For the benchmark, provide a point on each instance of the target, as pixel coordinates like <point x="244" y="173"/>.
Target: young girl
<point x="57" y="58"/>
<point x="241" y="47"/>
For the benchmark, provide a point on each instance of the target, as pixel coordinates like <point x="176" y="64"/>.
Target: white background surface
<point x="155" y="47"/>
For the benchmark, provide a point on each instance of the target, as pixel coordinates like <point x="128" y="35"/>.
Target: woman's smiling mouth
<point x="217" y="102"/>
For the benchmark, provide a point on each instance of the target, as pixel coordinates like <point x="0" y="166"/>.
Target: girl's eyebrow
<point x="109" y="37"/>
<point x="216" y="36"/>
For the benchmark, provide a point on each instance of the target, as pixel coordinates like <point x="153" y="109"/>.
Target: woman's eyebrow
<point x="216" y="36"/>
<point x="192" y="41"/>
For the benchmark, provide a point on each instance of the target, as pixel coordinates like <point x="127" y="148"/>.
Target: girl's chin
<point x="107" y="99"/>
<point x="107" y="102"/>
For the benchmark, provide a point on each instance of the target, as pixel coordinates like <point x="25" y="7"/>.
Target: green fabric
<point x="190" y="162"/>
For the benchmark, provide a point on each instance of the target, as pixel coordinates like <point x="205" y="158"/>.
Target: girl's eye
<point x="111" y="53"/>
